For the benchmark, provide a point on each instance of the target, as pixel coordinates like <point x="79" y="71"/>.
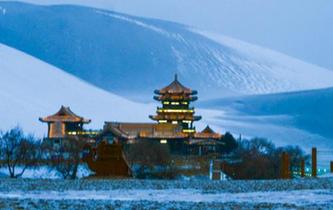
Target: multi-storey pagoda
<point x="176" y="99"/>
<point x="64" y="123"/>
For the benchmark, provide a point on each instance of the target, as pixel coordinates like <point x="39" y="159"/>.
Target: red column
<point x="302" y="168"/>
<point x="285" y="166"/>
<point x="314" y="162"/>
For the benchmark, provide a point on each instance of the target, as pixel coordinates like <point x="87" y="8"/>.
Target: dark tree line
<point x="19" y="151"/>
<point x="259" y="158"/>
<point x="246" y="159"/>
<point x="150" y="159"/>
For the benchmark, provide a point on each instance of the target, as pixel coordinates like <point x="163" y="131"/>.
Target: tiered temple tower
<point x="176" y="99"/>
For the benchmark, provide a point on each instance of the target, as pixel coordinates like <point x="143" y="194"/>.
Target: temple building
<point x="64" y="123"/>
<point x="176" y="99"/>
<point x="174" y="124"/>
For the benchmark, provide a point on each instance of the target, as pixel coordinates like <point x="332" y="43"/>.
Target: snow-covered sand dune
<point x="132" y="56"/>
<point x="30" y="88"/>
<point x="300" y="118"/>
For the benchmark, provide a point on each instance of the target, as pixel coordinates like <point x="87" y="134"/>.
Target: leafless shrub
<point x="19" y="151"/>
<point x="64" y="156"/>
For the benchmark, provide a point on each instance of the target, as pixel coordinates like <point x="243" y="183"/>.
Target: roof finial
<point x="176" y="77"/>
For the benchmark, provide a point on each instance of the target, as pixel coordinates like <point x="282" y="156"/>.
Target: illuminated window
<point x="188" y="130"/>
<point x="174" y="122"/>
<point x="187" y="121"/>
<point x="175" y="103"/>
<point x="162" y="121"/>
<point x="184" y="103"/>
<point x="72" y="133"/>
<point x="176" y="110"/>
<point x="166" y="102"/>
<point x="163" y="141"/>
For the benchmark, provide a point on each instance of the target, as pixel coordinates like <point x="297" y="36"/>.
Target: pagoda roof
<point x="65" y="114"/>
<point x="207" y="133"/>
<point x="207" y="130"/>
<point x="144" y="130"/>
<point x="175" y="88"/>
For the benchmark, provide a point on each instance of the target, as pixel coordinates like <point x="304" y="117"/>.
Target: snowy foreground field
<point x="155" y="194"/>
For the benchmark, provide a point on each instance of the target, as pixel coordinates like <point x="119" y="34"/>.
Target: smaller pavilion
<point x="64" y="123"/>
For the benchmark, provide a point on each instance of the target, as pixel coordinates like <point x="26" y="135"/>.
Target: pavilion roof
<point x="207" y="130"/>
<point x="65" y="114"/>
<point x="175" y="88"/>
<point x="207" y="133"/>
<point x="144" y="130"/>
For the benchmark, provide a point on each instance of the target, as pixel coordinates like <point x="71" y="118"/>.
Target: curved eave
<point x="179" y="92"/>
<point x="175" y="98"/>
<point x="177" y="117"/>
<point x="50" y="120"/>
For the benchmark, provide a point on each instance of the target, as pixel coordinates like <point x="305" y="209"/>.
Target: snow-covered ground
<point x="44" y="172"/>
<point x="296" y="197"/>
<point x="129" y="194"/>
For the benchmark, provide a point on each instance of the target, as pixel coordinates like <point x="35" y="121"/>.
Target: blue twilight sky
<point x="300" y="28"/>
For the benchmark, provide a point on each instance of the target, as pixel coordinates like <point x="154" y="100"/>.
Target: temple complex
<point x="174" y="124"/>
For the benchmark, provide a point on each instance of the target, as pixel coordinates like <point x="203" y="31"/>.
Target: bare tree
<point x="65" y="157"/>
<point x="19" y="151"/>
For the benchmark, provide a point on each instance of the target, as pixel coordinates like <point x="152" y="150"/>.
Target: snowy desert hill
<point x="132" y="56"/>
<point x="311" y="110"/>
<point x="300" y="118"/>
<point x="30" y="88"/>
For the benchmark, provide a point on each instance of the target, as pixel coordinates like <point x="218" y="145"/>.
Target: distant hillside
<point x="299" y="118"/>
<point x="132" y="56"/>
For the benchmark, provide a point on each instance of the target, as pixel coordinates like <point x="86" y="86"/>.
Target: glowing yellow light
<point x="175" y="103"/>
<point x="174" y="122"/>
<point x="176" y="110"/>
<point x="162" y="121"/>
<point x="163" y="141"/>
<point x="184" y="102"/>
<point x="166" y="102"/>
<point x="188" y="130"/>
<point x="187" y="121"/>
